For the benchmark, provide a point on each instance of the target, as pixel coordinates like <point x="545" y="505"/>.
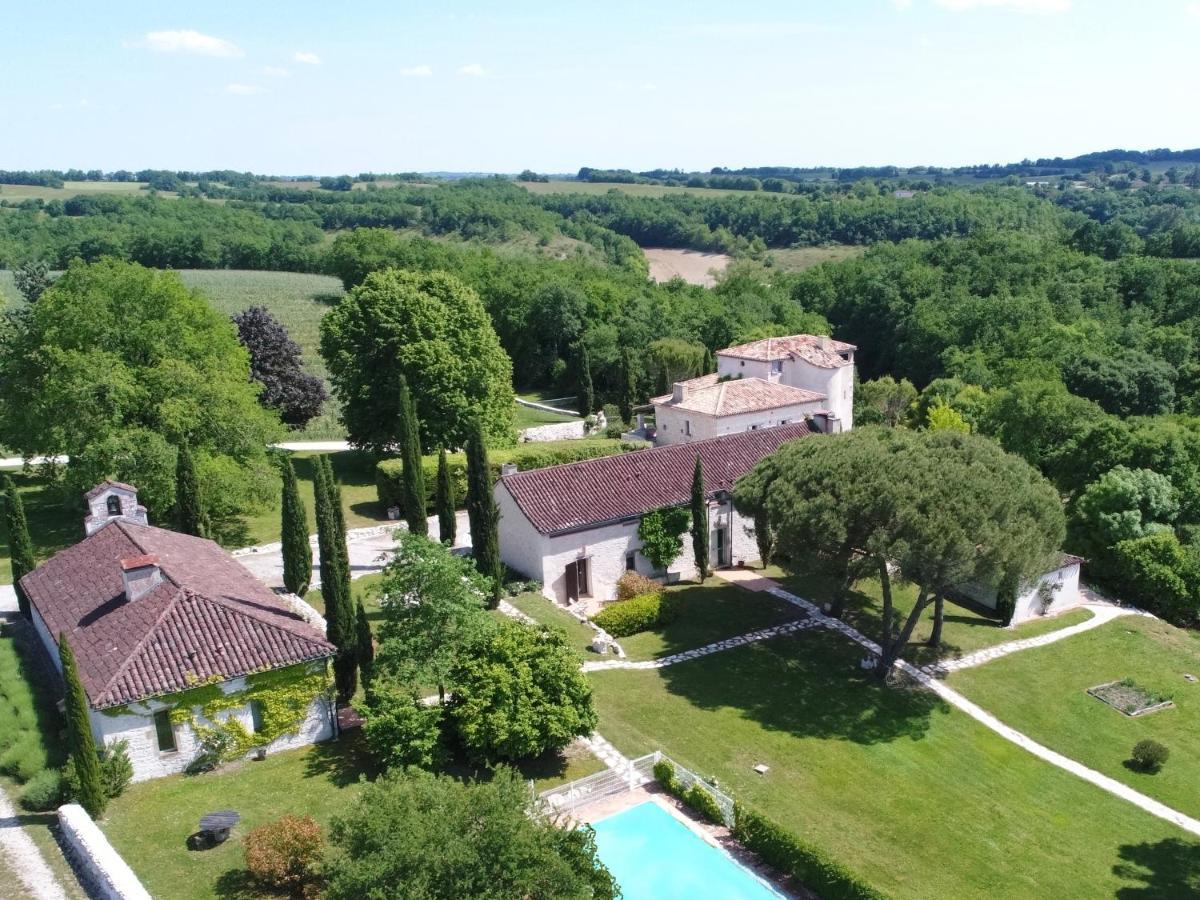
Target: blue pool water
<point x="653" y="856"/>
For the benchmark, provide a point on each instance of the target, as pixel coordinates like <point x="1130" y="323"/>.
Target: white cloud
<point x="243" y="89"/>
<point x="902" y="5"/>
<point x="188" y="41"/>
<point x="309" y="59"/>
<point x="1038" y="6"/>
<point x="473" y="69"/>
<point x="417" y="72"/>
<point x="752" y="29"/>
<point x="276" y="71"/>
<point x="1193" y="10"/>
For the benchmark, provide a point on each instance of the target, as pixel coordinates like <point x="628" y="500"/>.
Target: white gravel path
<point x="23" y="857"/>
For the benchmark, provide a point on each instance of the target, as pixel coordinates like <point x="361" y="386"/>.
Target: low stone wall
<point x="558" y="431"/>
<point x="106" y="875"/>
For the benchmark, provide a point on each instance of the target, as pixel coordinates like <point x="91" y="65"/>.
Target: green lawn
<point x="964" y="629"/>
<point x="149" y="824"/>
<point x="527" y="417"/>
<point x="538" y="607"/>
<point x="55" y="520"/>
<point x="1042" y="692"/>
<point x="917" y="797"/>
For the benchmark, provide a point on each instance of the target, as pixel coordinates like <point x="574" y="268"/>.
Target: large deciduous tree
<point x="518" y="692"/>
<point x="114" y="367"/>
<point x="297" y="551"/>
<point x="275" y="364"/>
<point x="482" y="513"/>
<point x="20" y="547"/>
<point x="442" y="838"/>
<point x="413" y="476"/>
<point x="432" y="329"/>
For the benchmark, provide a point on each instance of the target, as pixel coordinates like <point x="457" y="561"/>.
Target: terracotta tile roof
<point x="823" y="352"/>
<point x="578" y="495"/>
<point x="737" y="395"/>
<point x="209" y="616"/>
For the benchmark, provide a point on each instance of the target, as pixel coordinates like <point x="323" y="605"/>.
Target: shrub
<point x="642" y="613"/>
<point x="789" y="855"/>
<point x="664" y="774"/>
<point x="631" y="585"/>
<point x="43" y="791"/>
<point x="401" y="731"/>
<point x="1149" y="755"/>
<point x="116" y="771"/>
<point x="704" y="803"/>
<point x="284" y="855"/>
<point x="537" y="455"/>
<point x="24" y="758"/>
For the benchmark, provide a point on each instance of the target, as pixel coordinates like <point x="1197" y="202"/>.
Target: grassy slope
<point x="797" y="259"/>
<point x="150" y="823"/>
<point x="1042" y="692"/>
<point x="920" y="799"/>
<point x="964" y="630"/>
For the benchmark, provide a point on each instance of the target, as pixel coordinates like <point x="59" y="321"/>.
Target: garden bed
<point x="1127" y="697"/>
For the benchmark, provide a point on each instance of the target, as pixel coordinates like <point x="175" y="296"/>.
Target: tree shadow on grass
<point x="1166" y="870"/>
<point x="810" y="685"/>
<point x="342" y="761"/>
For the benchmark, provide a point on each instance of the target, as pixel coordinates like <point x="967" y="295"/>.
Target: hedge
<point x="626" y="617"/>
<point x="790" y="855"/>
<point x="695" y="797"/>
<point x="534" y="455"/>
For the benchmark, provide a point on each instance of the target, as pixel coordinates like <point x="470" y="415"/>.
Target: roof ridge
<point x="226" y="603"/>
<point x="721" y="385"/>
<point x="167" y="575"/>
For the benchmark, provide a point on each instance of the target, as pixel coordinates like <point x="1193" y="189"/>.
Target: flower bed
<point x="1130" y="698"/>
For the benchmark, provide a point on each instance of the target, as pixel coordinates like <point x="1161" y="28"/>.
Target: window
<point x="256" y="722"/>
<point x="687" y="427"/>
<point x="784" y="421"/>
<point x="114" y="505"/>
<point x="776" y="366"/>
<point x="165" y="731"/>
<point x="631" y="562"/>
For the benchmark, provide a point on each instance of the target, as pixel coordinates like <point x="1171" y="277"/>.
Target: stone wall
<point x="558" y="431"/>
<point x="106" y="875"/>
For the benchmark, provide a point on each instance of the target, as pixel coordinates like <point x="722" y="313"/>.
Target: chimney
<point x="679" y="392"/>
<point x="508" y="469"/>
<point x="140" y="575"/>
<point x="824" y="343"/>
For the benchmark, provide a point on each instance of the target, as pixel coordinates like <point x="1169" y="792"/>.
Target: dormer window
<point x="113" y="504"/>
<point x="776" y="366"/>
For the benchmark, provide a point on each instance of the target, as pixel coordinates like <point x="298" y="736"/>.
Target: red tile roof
<point x="578" y="495"/>
<point x="208" y="618"/>
<point x="820" y="351"/>
<point x="731" y="397"/>
<point x="139" y="562"/>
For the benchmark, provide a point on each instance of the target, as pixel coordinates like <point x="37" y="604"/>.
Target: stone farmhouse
<point x="574" y="527"/>
<point x="1055" y="591"/>
<point x="762" y="384"/>
<point x="175" y="641"/>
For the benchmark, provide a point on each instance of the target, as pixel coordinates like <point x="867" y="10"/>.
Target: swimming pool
<point x="654" y="856"/>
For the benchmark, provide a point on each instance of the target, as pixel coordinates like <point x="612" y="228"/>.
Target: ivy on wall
<point x="661" y="533"/>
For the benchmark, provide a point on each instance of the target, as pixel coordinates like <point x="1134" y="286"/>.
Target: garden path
<point x="23" y="857"/>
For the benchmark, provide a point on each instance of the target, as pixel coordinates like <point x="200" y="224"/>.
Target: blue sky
<point x="325" y="88"/>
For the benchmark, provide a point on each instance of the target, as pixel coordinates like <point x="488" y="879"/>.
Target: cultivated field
<point x="693" y="266"/>
<point x="15" y="193"/>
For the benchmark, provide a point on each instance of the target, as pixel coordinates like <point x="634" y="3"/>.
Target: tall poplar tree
<point x="413" y="481"/>
<point x="297" y="552"/>
<point x="335" y="579"/>
<point x="80" y="743"/>
<point x="366" y="645"/>
<point x="446" y="501"/>
<point x="700" y="521"/>
<point x="587" y="396"/>
<point x="482" y="512"/>
<point x="189" y="511"/>
<point x="20" y="547"/>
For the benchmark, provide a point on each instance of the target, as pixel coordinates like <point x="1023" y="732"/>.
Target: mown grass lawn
<point x="149" y="824"/>
<point x="55" y="519"/>
<point x="917" y="797"/>
<point x="1043" y="693"/>
<point x="538" y="607"/>
<point x="964" y="629"/>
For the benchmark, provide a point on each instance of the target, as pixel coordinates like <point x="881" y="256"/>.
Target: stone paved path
<point x="740" y="640"/>
<point x="976" y="712"/>
<point x="1102" y="613"/>
<point x="23" y="857"/>
<point x="606" y="752"/>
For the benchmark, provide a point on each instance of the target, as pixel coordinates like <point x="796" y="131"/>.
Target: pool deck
<point x="715" y="835"/>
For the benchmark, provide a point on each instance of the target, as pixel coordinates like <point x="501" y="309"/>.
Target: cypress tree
<point x="482" y="512"/>
<point x="710" y="362"/>
<point x="189" y="512"/>
<point x="446" y="501"/>
<point x="366" y="646"/>
<point x="587" y="396"/>
<point x="700" y="521"/>
<point x="410" y="457"/>
<point x="80" y="743"/>
<point x="20" y="547"/>
<point x="628" y="396"/>
<point x="297" y="552"/>
<point x="335" y="579"/>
